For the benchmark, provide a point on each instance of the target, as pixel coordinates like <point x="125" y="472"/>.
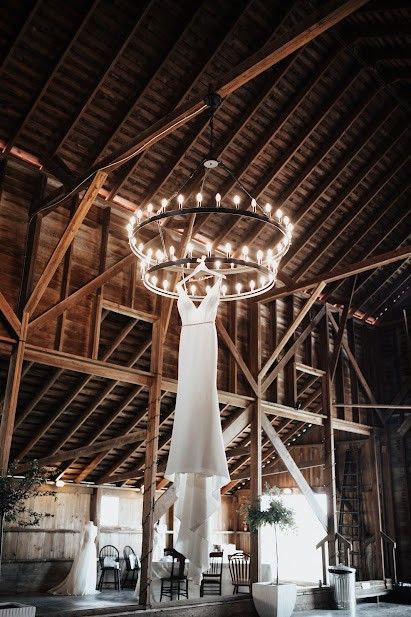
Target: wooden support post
<point x="256" y="436"/>
<point x="98" y="300"/>
<point x="11" y="396"/>
<point x="150" y="472"/>
<point x="379" y="564"/>
<point x="329" y="446"/>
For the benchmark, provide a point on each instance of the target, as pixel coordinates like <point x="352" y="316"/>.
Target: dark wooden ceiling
<point x="324" y="134"/>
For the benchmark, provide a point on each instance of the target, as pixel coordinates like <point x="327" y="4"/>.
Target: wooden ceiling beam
<point x="65" y="241"/>
<point x="65" y="455"/>
<point x="315" y="24"/>
<point x="386" y="298"/>
<point x="100" y="398"/>
<point x="66" y="403"/>
<point x="19" y="129"/>
<point x="296" y="144"/>
<point x="323" y="150"/>
<point x="10" y="316"/>
<point x="198" y="129"/>
<point x="380" y="211"/>
<point x="341" y="331"/>
<point x="290" y="331"/>
<point x="26" y="24"/>
<point x="31" y="404"/>
<point x="134" y="26"/>
<point x="190" y="15"/>
<point x="360" y="206"/>
<point x="292" y="350"/>
<point x="364" y="265"/>
<point x="85" y="290"/>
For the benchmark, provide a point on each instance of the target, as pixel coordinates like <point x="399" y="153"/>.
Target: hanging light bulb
<point x="253" y="205"/>
<point x="180" y="200"/>
<point x="236" y="201"/>
<point x="199" y="198"/>
<point x="244" y="253"/>
<point x="218" y="200"/>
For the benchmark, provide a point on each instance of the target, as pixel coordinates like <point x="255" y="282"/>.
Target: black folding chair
<point x="109" y="558"/>
<point x="211" y="581"/>
<point x="131" y="567"/>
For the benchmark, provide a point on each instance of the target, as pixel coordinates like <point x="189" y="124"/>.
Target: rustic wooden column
<point x="329" y="446"/>
<point x="150" y="472"/>
<point x="11" y="395"/>
<point x="379" y="563"/>
<point x="256" y="436"/>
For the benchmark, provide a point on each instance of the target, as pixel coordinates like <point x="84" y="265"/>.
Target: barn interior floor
<point x="123" y="604"/>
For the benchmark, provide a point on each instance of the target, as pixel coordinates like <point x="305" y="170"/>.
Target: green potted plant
<point x="272" y="599"/>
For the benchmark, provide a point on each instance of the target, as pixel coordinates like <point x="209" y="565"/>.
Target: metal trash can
<point x="342" y="581"/>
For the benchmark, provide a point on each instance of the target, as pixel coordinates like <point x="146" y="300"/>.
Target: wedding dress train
<point x="197" y="463"/>
<point x="82" y="578"/>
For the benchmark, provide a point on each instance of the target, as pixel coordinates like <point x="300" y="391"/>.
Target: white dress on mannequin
<point x="82" y="578"/>
<point x="197" y="463"/>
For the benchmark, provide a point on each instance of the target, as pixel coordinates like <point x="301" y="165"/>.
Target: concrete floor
<point x="51" y="606"/>
<point x="370" y="609"/>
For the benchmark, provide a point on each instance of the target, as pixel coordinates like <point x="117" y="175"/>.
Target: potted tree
<point x="15" y="489"/>
<point x="272" y="599"/>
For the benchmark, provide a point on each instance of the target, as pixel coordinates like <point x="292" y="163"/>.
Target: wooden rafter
<point x="364" y="265"/>
<point x="268" y="56"/>
<point x="340" y="334"/>
<point x="65" y="241"/>
<point x="236" y="354"/>
<point x="290" y="331"/>
<point x="10" y="316"/>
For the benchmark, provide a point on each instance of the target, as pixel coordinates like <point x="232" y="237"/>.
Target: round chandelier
<point x="169" y="246"/>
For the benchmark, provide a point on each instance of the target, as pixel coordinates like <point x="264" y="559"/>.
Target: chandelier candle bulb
<point x="279" y="214"/>
<point x="237" y="201"/>
<point x="218" y="200"/>
<point x="164" y="203"/>
<point x="199" y="198"/>
<point x="180" y="200"/>
<point x="268" y="209"/>
<point x="228" y="250"/>
<point x="149" y="209"/>
<point x="252" y="285"/>
<point x="238" y="288"/>
<point x="260" y="256"/>
<point x="209" y="248"/>
<point x="218" y="265"/>
<point x="190" y="250"/>
<point x="139" y="216"/>
<point x="254" y="205"/>
<point x="165" y="284"/>
<point x="244" y="253"/>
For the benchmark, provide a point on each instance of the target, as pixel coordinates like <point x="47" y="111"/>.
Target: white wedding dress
<point x="197" y="463"/>
<point x="82" y="578"/>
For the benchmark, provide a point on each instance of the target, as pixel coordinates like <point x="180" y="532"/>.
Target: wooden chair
<point x="211" y="581"/>
<point x="109" y="558"/>
<point x="131" y="566"/>
<point x="239" y="565"/>
<point x="177" y="582"/>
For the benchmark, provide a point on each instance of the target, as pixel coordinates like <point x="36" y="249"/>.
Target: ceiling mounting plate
<point x="211" y="163"/>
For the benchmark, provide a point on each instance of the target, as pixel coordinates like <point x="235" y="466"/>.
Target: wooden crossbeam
<point x="293" y="469"/>
<point x="291" y="351"/>
<point x="85" y="290"/>
<point x="225" y="337"/>
<point x="364" y="265"/>
<point x="341" y="331"/>
<point x="102" y="446"/>
<point x="10" y="316"/>
<point x="290" y="331"/>
<point x="65" y="241"/>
